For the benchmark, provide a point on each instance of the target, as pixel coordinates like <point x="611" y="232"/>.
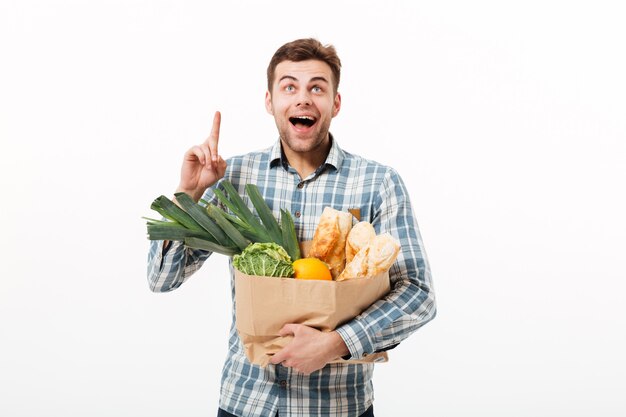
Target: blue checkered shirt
<point x="345" y="181"/>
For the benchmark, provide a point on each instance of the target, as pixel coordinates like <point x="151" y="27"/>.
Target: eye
<point x="317" y="89"/>
<point x="290" y="88"/>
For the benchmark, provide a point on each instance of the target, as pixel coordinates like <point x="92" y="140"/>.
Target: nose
<point x="304" y="98"/>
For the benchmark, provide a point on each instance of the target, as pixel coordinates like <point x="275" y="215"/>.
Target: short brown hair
<point x="302" y="50"/>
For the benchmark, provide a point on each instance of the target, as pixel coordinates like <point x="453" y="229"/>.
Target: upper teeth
<point x="304" y="117"/>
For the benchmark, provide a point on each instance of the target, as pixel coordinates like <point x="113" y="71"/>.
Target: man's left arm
<point x="409" y="305"/>
<point x="411" y="302"/>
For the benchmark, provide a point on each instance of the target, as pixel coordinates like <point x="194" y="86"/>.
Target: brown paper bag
<point x="264" y="304"/>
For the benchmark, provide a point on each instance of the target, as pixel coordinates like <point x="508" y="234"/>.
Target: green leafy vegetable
<point x="264" y="259"/>
<point x="290" y="240"/>
<point x="211" y="228"/>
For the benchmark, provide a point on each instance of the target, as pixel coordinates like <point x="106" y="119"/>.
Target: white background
<point x="506" y="120"/>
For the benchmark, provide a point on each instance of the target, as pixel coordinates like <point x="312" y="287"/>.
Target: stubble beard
<point x="304" y="146"/>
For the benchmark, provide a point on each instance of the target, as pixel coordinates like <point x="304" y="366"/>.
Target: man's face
<point x="303" y="103"/>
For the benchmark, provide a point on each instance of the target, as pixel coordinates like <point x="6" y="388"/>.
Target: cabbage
<point x="265" y="259"/>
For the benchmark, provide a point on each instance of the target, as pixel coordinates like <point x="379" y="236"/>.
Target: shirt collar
<point x="333" y="160"/>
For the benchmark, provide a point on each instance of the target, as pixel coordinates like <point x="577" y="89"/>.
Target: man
<point x="304" y="172"/>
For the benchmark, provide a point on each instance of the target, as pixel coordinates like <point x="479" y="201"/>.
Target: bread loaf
<point x="360" y="235"/>
<point x="329" y="240"/>
<point x="375" y="257"/>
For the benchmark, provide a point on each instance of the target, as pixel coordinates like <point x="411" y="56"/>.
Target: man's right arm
<point x="172" y="263"/>
<point x="170" y="267"/>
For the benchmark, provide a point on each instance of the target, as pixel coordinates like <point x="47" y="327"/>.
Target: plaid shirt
<point x="345" y="181"/>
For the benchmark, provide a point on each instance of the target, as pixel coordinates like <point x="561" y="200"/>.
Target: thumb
<point x="288" y="329"/>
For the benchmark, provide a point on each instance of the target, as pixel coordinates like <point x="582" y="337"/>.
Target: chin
<point x="303" y="144"/>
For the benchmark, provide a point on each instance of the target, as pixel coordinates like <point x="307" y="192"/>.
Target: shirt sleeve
<point x="170" y="267"/>
<point x="411" y="302"/>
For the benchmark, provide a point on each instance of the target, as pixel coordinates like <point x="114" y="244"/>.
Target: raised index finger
<point x="214" y="137"/>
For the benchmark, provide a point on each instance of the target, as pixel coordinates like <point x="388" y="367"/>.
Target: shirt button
<point x="298" y="214"/>
<point x="283" y="383"/>
<point x="300" y="185"/>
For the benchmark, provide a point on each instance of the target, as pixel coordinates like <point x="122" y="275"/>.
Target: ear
<point x="268" y="103"/>
<point x="337" y="104"/>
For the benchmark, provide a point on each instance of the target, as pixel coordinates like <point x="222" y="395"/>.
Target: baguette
<point x="329" y="240"/>
<point x="375" y="257"/>
<point x="360" y="235"/>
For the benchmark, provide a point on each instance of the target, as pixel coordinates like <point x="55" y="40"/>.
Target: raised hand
<point x="202" y="165"/>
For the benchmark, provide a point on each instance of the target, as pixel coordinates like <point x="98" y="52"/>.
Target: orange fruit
<point x="311" y="268"/>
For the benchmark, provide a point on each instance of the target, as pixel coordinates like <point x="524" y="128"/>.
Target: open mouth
<point x="302" y="121"/>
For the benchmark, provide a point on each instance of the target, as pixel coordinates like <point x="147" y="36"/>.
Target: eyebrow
<point x="291" y="77"/>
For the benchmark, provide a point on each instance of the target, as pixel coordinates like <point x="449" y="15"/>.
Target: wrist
<point x="338" y="346"/>
<point x="194" y="194"/>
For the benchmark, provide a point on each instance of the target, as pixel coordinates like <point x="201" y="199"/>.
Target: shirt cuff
<point x="356" y="338"/>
